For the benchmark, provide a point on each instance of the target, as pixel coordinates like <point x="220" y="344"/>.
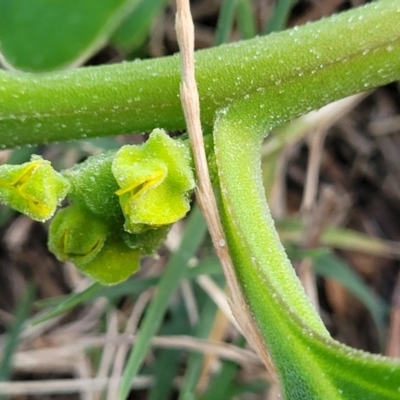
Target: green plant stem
<point x="141" y="95"/>
<point x="278" y="304"/>
<point x="308" y="361"/>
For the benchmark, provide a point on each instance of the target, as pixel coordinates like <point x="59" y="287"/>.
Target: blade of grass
<point x="246" y="21"/>
<point x="166" y="369"/>
<point x="70" y="302"/>
<point x="21" y="315"/>
<point x="191" y="241"/>
<point x="167" y="365"/>
<point x="195" y="361"/>
<point x="279" y="17"/>
<point x="330" y="266"/>
<point x="256" y="386"/>
<point x="225" y="21"/>
<point x="133" y="287"/>
<point x="291" y="229"/>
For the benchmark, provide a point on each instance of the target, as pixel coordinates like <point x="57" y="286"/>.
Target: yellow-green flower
<point x="115" y="263"/>
<point x="77" y="235"/>
<point x="33" y="188"/>
<point x="155" y="181"/>
<point x="96" y="248"/>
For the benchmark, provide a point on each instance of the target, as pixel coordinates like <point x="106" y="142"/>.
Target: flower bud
<point x="77" y="235"/>
<point x="33" y="188"/>
<point x="92" y="244"/>
<point x="155" y="181"/>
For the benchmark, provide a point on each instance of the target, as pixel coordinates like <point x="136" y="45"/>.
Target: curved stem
<point x="142" y="95"/>
<point x="307" y="360"/>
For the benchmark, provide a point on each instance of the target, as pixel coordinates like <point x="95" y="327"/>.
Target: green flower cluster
<point x="121" y="204"/>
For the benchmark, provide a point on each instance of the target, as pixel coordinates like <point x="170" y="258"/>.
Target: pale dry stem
<point x="109" y="350"/>
<point x="204" y="191"/>
<point x="123" y="348"/>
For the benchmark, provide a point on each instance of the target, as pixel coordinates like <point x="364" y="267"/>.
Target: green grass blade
<point x="21" y="315"/>
<point x="70" y="302"/>
<point x="291" y="229"/>
<point x="330" y="266"/>
<point x="192" y="239"/>
<point x="279" y="17"/>
<point x="132" y="287"/>
<point x="135" y="286"/>
<point x="225" y="21"/>
<point x="195" y="362"/>
<point x="246" y="21"/>
<point x="168" y="360"/>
